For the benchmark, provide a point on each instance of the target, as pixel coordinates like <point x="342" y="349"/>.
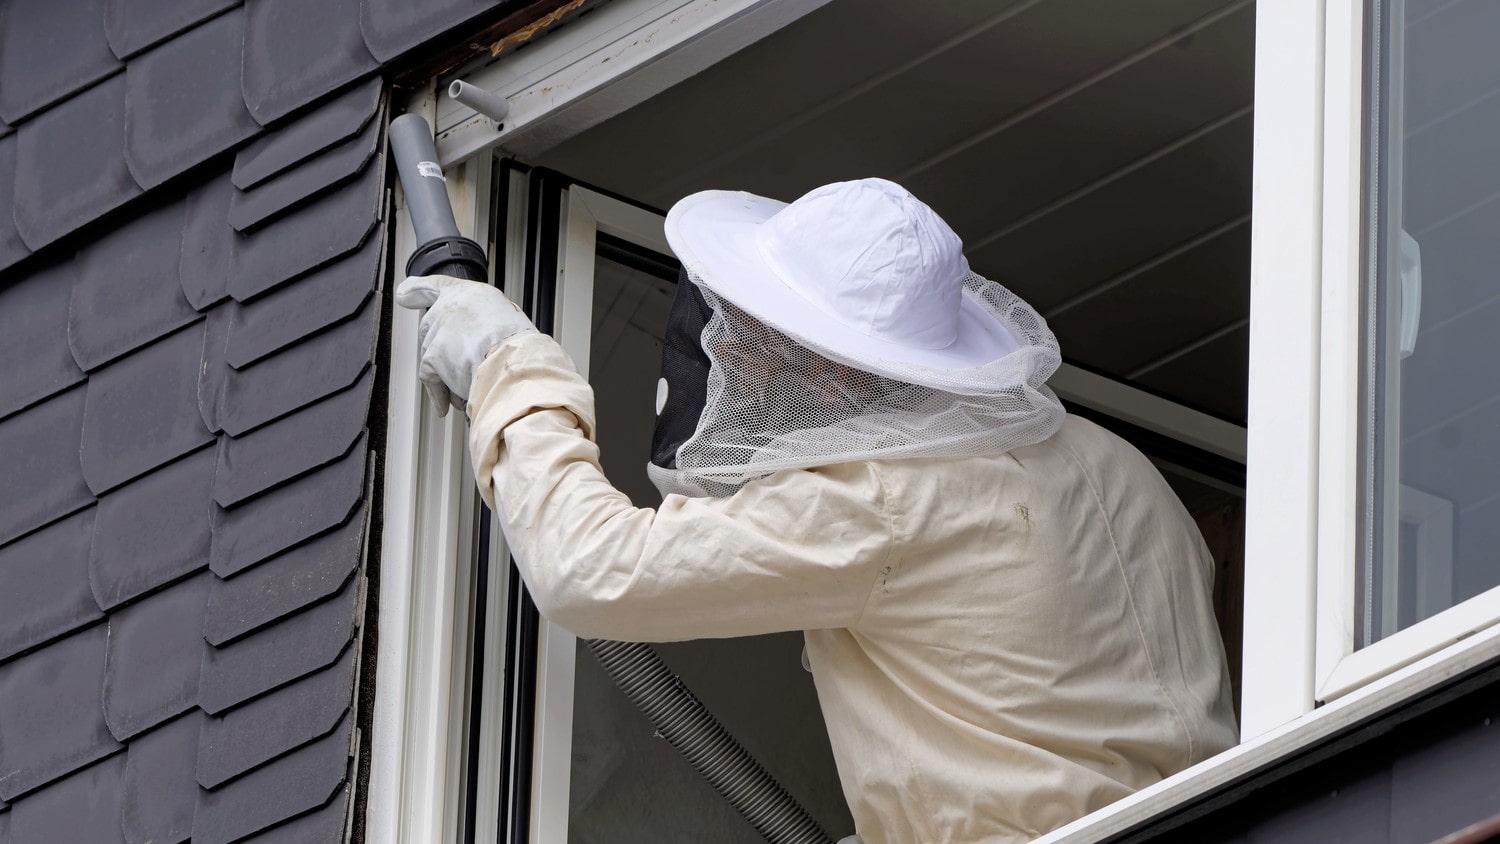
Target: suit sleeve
<point x="800" y="549"/>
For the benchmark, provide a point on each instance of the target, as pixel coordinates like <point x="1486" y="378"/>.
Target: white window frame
<point x="1299" y="446"/>
<point x="1340" y="667"/>
<point x="421" y="724"/>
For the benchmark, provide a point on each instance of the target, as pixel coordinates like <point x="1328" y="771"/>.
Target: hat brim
<point x="713" y="233"/>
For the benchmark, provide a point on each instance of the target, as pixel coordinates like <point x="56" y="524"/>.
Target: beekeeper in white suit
<point x="1007" y="611"/>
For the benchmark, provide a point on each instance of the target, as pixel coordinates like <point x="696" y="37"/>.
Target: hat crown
<point x="873" y="257"/>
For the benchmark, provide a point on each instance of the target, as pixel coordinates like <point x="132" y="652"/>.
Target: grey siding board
<point x="183" y="381"/>
<point x="295" y="53"/>
<point x="49" y="50"/>
<point x="70" y="164"/>
<point x="159" y="796"/>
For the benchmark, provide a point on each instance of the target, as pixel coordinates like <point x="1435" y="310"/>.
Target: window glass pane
<point x="626" y="784"/>
<point x="1430" y="399"/>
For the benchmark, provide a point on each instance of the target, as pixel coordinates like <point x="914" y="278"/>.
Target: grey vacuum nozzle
<point x="440" y="249"/>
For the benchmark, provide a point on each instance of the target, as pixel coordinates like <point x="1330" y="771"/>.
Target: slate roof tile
<point x="338" y="119"/>
<point x="49" y="50"/>
<point x="300" y="375"/>
<point x="39" y="450"/>
<point x="85" y="807"/>
<point x="296" y="52"/>
<point x="170" y="126"/>
<point x="292" y="312"/>
<point x="126" y="292"/>
<point x="280" y="586"/>
<point x="391" y="27"/>
<point x="152" y="531"/>
<point x="302" y="509"/>
<point x="33" y="312"/>
<point x="46" y="586"/>
<point x="4" y="823"/>
<point x="5" y="129"/>
<point x="207" y="244"/>
<point x="70" y="162"/>
<point x="275" y="724"/>
<point x="213" y="373"/>
<point x="293" y="445"/>
<point x="252" y="208"/>
<point x="159" y="795"/>
<point x="50" y="720"/>
<point x="329" y="228"/>
<point x="269" y="659"/>
<point x="155" y="652"/>
<point x="133" y="25"/>
<point x="141" y="411"/>
<point x="299" y="782"/>
<point x="12" y="248"/>
<point x="330" y="823"/>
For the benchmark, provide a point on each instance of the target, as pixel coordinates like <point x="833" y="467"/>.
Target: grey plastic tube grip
<point x="422" y="179"/>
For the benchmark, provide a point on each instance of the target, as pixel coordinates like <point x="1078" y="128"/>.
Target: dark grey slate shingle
<point x="50" y="720"/>
<point x="70" y="163"/>
<point x="297" y="52"/>
<point x="39" y="450"/>
<point x="85" y="807"/>
<point x="253" y="208"/>
<point x="33" y="312"/>
<point x="299" y="782"/>
<point x="292" y="446"/>
<point x="315" y="301"/>
<point x="213" y="373"/>
<point x="302" y="509"/>
<point x="207" y="243"/>
<point x="291" y="580"/>
<point x="159" y="794"/>
<point x="336" y="120"/>
<point x="269" y="659"/>
<point x="300" y="375"/>
<point x="45" y="577"/>
<point x="155" y="652"/>
<point x="12" y="248"/>
<point x="252" y="735"/>
<point x="329" y="823"/>
<point x="171" y="126"/>
<point x="134" y="25"/>
<point x="152" y="531"/>
<point x="142" y="411"/>
<point x="392" y="27"/>
<point x="126" y="292"/>
<point x="329" y="228"/>
<point x="49" y="50"/>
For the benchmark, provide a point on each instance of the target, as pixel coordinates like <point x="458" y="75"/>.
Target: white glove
<point x="465" y="321"/>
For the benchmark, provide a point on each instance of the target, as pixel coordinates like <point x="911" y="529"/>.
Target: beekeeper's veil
<point x="844" y="326"/>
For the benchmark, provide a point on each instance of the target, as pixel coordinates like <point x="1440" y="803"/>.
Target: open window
<point x="1333" y="437"/>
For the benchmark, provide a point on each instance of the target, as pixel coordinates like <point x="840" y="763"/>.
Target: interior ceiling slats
<point x="1094" y="155"/>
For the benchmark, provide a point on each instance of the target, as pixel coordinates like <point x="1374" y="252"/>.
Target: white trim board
<point x="600" y="65"/>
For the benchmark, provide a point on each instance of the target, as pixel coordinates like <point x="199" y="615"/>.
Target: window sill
<point x="1214" y="778"/>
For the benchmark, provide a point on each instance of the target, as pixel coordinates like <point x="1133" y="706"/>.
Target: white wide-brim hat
<point x="860" y="271"/>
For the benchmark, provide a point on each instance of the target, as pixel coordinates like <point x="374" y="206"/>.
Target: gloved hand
<point x="465" y="321"/>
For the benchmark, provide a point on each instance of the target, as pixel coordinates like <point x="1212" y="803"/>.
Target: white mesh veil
<point x="776" y="403"/>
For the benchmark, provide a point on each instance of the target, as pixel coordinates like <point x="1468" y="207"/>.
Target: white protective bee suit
<point x="1007" y="611"/>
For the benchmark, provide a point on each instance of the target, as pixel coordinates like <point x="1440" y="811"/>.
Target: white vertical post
<point x="1282" y="439"/>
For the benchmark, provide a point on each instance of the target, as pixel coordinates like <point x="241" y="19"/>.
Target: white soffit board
<point x="602" y="64"/>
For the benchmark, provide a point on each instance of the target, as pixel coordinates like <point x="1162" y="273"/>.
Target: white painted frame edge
<point x="1265" y="749"/>
<point x="1340" y="668"/>
<point x="601" y="65"/>
<point x="1282" y="436"/>
<point x="424" y="656"/>
<point x="585" y="214"/>
<point x="1154" y="413"/>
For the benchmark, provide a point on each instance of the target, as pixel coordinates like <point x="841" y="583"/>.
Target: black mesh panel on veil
<point x="684" y="368"/>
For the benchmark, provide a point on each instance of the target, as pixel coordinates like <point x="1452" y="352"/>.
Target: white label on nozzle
<point x="431" y="170"/>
